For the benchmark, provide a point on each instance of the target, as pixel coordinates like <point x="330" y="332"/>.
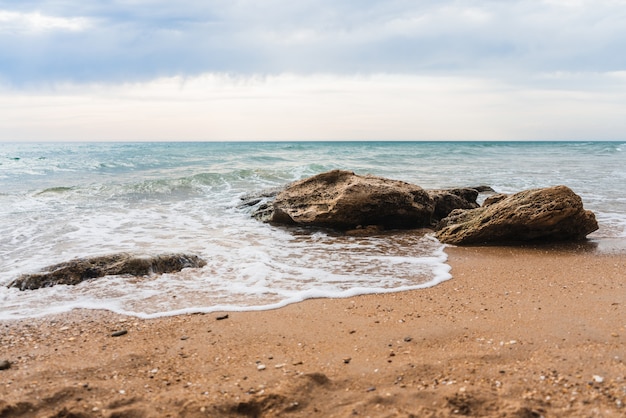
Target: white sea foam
<point x="62" y="201"/>
<point x="255" y="271"/>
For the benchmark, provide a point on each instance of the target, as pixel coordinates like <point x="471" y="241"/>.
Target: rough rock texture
<point x="448" y="200"/>
<point x="75" y="271"/>
<point x="264" y="196"/>
<point x="549" y="214"/>
<point x="494" y="198"/>
<point x="343" y="200"/>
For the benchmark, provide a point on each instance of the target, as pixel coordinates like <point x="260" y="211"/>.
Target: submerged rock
<point x="548" y="214"/>
<point x="264" y="196"/>
<point x="78" y="270"/>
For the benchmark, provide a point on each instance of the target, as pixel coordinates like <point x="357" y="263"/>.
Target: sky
<point x="158" y="70"/>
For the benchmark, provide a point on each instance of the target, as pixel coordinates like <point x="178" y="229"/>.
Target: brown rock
<point x="344" y="200"/>
<point x="494" y="198"/>
<point x="78" y="270"/>
<point x="367" y="231"/>
<point x="549" y="214"/>
<point x="448" y="200"/>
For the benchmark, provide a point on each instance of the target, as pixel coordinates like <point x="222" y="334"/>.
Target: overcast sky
<point x="304" y="69"/>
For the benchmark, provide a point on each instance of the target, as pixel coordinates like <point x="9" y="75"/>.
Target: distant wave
<point x="59" y="189"/>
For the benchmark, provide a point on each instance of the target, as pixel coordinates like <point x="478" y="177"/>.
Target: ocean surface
<point x="60" y="201"/>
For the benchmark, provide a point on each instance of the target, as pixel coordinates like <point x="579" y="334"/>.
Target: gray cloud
<point x="138" y="40"/>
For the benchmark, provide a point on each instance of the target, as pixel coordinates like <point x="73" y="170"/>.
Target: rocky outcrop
<point x="78" y="270"/>
<point x="343" y="200"/>
<point x="448" y="200"/>
<point x="347" y="201"/>
<point x="549" y="214"/>
<point x="365" y="205"/>
<point x="259" y="198"/>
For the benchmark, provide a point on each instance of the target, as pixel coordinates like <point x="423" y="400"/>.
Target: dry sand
<point x="516" y="333"/>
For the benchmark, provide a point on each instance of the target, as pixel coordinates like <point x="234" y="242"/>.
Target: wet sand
<point x="516" y="333"/>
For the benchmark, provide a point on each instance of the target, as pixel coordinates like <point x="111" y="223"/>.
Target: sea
<point x="61" y="201"/>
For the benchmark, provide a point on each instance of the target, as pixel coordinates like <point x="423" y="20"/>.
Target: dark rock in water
<point x="253" y="199"/>
<point x="260" y="203"/>
<point x="483" y="189"/>
<point x="78" y="270"/>
<point x="264" y="212"/>
<point x="549" y="214"/>
<point x="448" y="200"/>
<point x="344" y="200"/>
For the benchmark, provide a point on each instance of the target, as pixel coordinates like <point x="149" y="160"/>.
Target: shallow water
<point x="61" y="201"/>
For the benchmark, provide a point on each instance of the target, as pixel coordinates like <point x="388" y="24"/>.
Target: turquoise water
<point x="65" y="200"/>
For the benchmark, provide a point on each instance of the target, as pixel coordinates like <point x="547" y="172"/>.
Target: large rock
<point x="78" y="270"/>
<point x="549" y="214"/>
<point x="343" y="200"/>
<point x="351" y="194"/>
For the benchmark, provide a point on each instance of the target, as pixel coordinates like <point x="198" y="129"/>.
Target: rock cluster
<point x="75" y="271"/>
<point x="343" y="200"/>
<point x="346" y="201"/>
<point x="548" y="214"/>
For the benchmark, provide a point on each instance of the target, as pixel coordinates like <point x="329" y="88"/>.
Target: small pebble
<point x="260" y="367"/>
<point x="370" y="389"/>
<point x="598" y="379"/>
<point x="219" y="318"/>
<point x="5" y="365"/>
<point x="184" y="337"/>
<point x="408" y="339"/>
<point x="119" y="333"/>
<point x="347" y="360"/>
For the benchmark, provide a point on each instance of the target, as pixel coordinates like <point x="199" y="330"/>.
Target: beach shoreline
<point x="519" y="332"/>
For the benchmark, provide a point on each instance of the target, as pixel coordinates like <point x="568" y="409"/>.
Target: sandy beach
<point x="518" y="332"/>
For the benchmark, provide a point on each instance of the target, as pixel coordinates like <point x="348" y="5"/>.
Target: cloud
<point x="140" y="39"/>
<point x="18" y="23"/>
<point x="312" y="69"/>
<point x="320" y="107"/>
